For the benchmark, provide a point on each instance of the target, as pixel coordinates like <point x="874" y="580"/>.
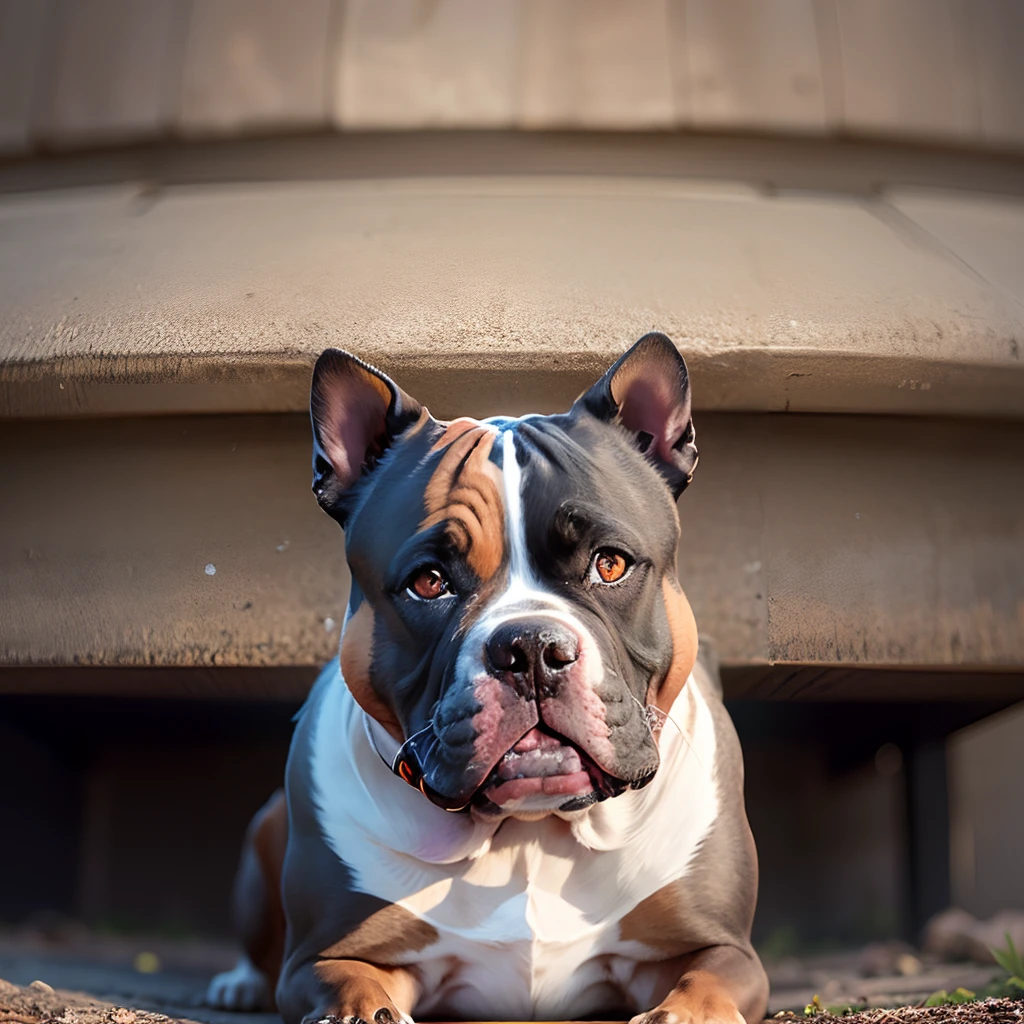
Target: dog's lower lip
<point x="542" y="763"/>
<point x="574" y="784"/>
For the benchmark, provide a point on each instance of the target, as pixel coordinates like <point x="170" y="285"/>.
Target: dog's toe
<point x="656" y="1016"/>
<point x="243" y="988"/>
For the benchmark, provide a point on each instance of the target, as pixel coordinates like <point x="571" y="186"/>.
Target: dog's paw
<point x="656" y="1016"/>
<point x="243" y="988"/>
<point x="721" y="1014"/>
<point x="698" y="999"/>
<point x="383" y="1015"/>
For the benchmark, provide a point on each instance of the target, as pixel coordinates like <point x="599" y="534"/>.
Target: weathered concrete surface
<point x="603" y="65"/>
<point x="254" y="65"/>
<point x="22" y="43"/>
<point x="809" y="540"/>
<point x="111" y="73"/>
<point x="471" y="288"/>
<point x="756" y="63"/>
<point x="945" y="70"/>
<point x="405" y="65"/>
<point x="985" y="233"/>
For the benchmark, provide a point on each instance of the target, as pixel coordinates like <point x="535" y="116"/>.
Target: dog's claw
<point x="382" y="1016"/>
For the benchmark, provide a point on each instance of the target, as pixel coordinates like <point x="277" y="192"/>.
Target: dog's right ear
<point x="357" y="412"/>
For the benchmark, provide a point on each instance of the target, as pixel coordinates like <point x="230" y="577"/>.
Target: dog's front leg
<point x="348" y="991"/>
<point x="720" y="985"/>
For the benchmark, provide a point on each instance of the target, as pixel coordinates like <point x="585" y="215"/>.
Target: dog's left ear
<point x="357" y="412"/>
<point x="648" y="392"/>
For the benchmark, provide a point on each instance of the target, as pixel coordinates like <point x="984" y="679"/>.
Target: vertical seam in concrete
<point x="174" y="73"/>
<point x="678" y="66"/>
<point x="905" y="226"/>
<point x="830" y="59"/>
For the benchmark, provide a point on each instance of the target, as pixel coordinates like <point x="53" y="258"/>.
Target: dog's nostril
<point x="507" y="655"/>
<point x="561" y="652"/>
<point x="517" y="660"/>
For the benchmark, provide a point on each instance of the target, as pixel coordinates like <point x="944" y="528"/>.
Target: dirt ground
<point x="80" y="977"/>
<point x="38" y="1003"/>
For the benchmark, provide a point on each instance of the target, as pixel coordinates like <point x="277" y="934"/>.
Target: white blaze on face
<point x="521" y="578"/>
<point x="525" y="596"/>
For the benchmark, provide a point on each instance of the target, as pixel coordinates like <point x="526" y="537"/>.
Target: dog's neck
<point x="353" y="753"/>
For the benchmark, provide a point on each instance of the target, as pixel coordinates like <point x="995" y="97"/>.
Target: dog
<point x="517" y="794"/>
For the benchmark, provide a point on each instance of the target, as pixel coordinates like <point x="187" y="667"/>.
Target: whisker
<point x="656" y="719"/>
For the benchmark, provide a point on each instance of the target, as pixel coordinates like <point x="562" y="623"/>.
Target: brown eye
<point x="610" y="566"/>
<point x="428" y="584"/>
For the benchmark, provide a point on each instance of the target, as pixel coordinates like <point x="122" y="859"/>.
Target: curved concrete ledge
<point x="479" y="383"/>
<point x="807" y="540"/>
<point x="218" y="298"/>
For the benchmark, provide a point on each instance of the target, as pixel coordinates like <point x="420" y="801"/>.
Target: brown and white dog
<point x="518" y="795"/>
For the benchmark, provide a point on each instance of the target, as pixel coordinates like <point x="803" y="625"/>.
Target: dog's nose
<point x="532" y="655"/>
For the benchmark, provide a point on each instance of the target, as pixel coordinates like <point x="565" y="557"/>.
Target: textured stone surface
<point x="423" y="63"/>
<point x="805" y="303"/>
<point x="600" y="64"/>
<point x="986" y="234"/>
<point x="22" y="41"/>
<point x="116" y="71"/>
<point x="909" y="68"/>
<point x="754" y="64"/>
<point x="999" y="36"/>
<point x="101" y="71"/>
<point x="853" y="541"/>
<point x="192" y="542"/>
<point x="255" y="65"/>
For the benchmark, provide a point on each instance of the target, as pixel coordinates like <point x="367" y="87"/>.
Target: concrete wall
<point x="77" y="73"/>
<point x="986" y="770"/>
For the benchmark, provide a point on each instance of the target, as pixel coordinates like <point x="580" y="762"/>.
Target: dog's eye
<point x="609" y="566"/>
<point x="428" y="584"/>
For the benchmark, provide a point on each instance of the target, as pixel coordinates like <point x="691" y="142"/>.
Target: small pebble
<point x="211" y="569"/>
<point x="147" y="963"/>
<point x="41" y="986"/>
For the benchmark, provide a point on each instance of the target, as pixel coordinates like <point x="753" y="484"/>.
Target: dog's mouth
<point x="543" y="768"/>
<point x="542" y="771"/>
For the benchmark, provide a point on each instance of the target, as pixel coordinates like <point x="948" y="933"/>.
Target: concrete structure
<point x="821" y="201"/>
<point x="80" y="72"/>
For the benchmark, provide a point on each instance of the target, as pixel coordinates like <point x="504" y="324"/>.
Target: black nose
<point x="532" y="655"/>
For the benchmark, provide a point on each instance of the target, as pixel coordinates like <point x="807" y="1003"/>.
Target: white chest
<point x="527" y="919"/>
<point x="531" y="929"/>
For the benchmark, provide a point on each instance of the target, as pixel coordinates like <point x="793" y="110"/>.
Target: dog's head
<point x="515" y="620"/>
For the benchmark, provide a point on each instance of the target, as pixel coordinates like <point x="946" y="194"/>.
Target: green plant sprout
<point x="1012" y="962"/>
<point x="954" y="998"/>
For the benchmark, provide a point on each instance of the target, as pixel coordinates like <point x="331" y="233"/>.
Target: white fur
<point x="244" y="988"/>
<point x="528" y="915"/>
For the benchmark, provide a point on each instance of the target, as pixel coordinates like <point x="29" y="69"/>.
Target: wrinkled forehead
<point x="475" y="486"/>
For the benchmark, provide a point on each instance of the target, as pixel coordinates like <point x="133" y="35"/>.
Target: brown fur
<point x="356" y="662"/>
<point x="453" y="431"/>
<point x="683" y="628"/>
<point x="658" y="922"/>
<point x="384" y="937"/>
<point x="259" y="916"/>
<point x="465" y="493"/>
<point x="701" y="997"/>
<point x="363" y="990"/>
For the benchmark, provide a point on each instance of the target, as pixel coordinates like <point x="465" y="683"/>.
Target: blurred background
<point x="820" y="201"/>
